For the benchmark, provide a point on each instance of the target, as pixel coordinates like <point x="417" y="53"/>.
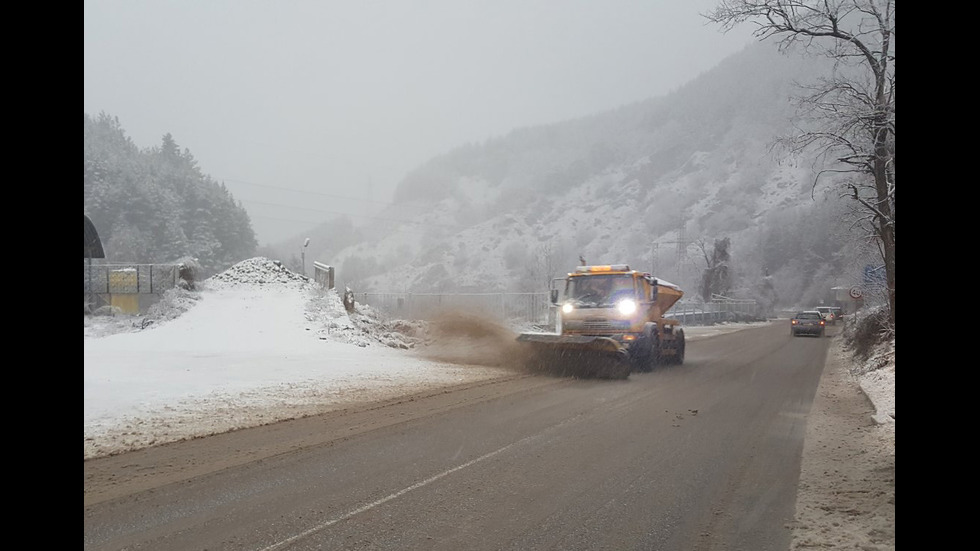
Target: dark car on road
<point x="807" y="322"/>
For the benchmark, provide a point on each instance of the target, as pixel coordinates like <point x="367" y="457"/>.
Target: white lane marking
<point x="399" y="493"/>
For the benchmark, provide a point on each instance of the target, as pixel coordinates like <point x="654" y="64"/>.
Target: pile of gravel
<point x="257" y="271"/>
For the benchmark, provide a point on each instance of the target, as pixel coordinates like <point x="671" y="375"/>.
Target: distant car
<point x="828" y="314"/>
<point x="807" y="322"/>
<point x="838" y="313"/>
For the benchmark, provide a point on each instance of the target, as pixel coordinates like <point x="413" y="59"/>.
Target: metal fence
<point x="130" y="278"/>
<point x="526" y="307"/>
<point x="536" y="308"/>
<point x="715" y="311"/>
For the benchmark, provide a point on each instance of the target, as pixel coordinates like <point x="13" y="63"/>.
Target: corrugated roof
<point x="93" y="245"/>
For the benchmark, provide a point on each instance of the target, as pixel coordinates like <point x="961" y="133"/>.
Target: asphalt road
<point x="703" y="456"/>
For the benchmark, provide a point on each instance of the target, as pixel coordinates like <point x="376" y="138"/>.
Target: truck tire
<point x="656" y="354"/>
<point x="644" y="357"/>
<point x="681" y="345"/>
<point x="644" y="361"/>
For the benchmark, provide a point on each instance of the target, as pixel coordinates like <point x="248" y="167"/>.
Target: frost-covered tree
<point x="848" y="118"/>
<point x="716" y="279"/>
<point x="156" y="206"/>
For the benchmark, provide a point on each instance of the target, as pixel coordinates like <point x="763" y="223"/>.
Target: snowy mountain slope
<point x="646" y="184"/>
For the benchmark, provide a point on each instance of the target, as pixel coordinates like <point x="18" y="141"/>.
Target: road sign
<point x="874" y="275"/>
<point x="855" y="293"/>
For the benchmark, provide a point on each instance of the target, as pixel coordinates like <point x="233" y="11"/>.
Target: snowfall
<point x="258" y="344"/>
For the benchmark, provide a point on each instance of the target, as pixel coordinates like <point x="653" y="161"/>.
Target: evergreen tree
<point x="156" y="206"/>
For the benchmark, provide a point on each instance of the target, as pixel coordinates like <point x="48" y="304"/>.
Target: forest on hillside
<point x="154" y="205"/>
<point x="686" y="185"/>
<point x="683" y="185"/>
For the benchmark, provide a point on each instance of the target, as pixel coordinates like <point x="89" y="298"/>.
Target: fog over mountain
<point x="654" y="184"/>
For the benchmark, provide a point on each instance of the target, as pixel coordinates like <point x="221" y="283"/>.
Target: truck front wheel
<point x="645" y="356"/>
<point x="657" y="353"/>
<point x="679" y="357"/>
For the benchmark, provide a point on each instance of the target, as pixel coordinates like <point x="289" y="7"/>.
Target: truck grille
<point x="605" y="325"/>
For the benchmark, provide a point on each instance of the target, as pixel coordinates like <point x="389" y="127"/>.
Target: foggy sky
<point x="307" y="108"/>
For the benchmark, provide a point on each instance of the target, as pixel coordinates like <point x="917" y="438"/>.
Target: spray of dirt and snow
<point x="464" y="338"/>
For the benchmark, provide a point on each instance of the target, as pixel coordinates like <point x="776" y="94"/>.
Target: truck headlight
<point x="567" y="307"/>
<point x="626" y="306"/>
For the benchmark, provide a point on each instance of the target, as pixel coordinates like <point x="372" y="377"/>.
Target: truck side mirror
<point x="554" y="296"/>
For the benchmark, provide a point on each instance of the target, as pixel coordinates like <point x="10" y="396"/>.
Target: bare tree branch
<point x="848" y="118"/>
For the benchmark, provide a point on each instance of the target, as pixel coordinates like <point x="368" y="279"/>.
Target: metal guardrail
<point x="536" y="308"/>
<point x="716" y="311"/>
<point x="525" y="307"/>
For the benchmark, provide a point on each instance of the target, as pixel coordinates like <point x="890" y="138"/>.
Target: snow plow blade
<point x="575" y="355"/>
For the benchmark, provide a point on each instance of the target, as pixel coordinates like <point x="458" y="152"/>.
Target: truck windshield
<point x="600" y="290"/>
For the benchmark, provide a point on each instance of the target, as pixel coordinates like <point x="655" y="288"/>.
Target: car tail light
<point x="792" y="322"/>
<point x="822" y="322"/>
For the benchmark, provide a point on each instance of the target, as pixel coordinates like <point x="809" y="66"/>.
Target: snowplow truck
<point x="610" y="322"/>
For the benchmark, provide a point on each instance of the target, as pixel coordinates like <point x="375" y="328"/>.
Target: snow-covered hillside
<point x="653" y="185"/>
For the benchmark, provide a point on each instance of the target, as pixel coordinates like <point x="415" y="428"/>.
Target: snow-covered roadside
<point x="876" y="377"/>
<point x="259" y="344"/>
<point x="217" y="368"/>
<point x="254" y="345"/>
<point x="181" y="371"/>
<point x="846" y="493"/>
